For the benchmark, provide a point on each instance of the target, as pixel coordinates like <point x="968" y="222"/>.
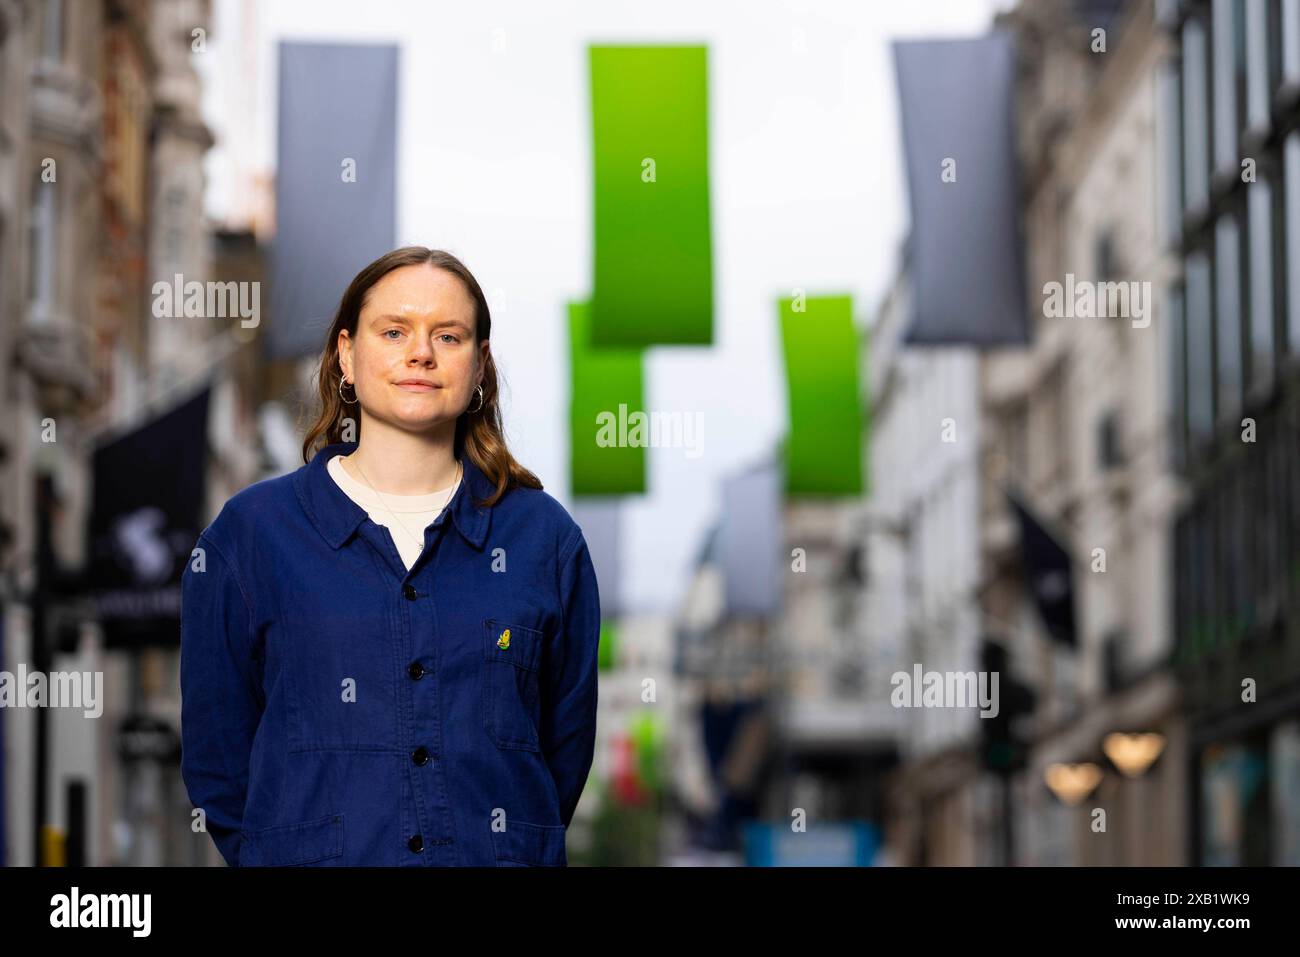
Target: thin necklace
<point x="418" y="543"/>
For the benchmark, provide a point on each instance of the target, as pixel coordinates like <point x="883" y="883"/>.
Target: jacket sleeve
<point x="221" y="695"/>
<point x="568" y="732"/>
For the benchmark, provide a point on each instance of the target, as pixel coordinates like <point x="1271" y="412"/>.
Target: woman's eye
<point x="398" y="331"/>
<point x="448" y="335"/>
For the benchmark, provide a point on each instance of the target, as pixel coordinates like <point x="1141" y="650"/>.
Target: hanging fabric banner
<point x="823" y="452"/>
<point x="966" y="245"/>
<point x="335" y="183"/>
<point x="608" y="430"/>
<point x="653" y="269"/>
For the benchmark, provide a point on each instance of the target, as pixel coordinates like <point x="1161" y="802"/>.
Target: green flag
<point x="647" y="734"/>
<point x="607" y="650"/>
<point x="823" y="451"/>
<point x="653" y="270"/>
<point x="606" y="390"/>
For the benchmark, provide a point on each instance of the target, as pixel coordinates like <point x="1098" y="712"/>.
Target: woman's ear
<point x="345" y="353"/>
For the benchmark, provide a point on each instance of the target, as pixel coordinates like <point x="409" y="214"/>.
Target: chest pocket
<point x="511" y="684"/>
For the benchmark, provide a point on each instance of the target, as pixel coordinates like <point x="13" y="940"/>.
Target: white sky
<point x="494" y="165"/>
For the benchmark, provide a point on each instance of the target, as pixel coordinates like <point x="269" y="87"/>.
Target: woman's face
<point x="413" y="360"/>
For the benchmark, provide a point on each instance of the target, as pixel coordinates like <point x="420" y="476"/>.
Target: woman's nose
<point x="421" y="350"/>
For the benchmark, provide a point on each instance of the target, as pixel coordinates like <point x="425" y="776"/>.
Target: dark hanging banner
<point x="958" y="117"/>
<point x="145" y="519"/>
<point x="335" y="183"/>
<point x="1048" y="572"/>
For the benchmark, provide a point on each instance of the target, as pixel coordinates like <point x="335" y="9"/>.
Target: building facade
<point x="921" y="597"/>
<point x="1082" y="433"/>
<point x="1233" y="104"/>
<point x="101" y="189"/>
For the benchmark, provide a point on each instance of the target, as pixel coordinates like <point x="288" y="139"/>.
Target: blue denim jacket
<point x="338" y="709"/>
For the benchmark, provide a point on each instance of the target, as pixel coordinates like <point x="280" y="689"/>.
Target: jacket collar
<point x="336" y="516"/>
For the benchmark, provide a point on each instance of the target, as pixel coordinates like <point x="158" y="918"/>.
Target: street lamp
<point x="1133" y="753"/>
<point x="1071" y="783"/>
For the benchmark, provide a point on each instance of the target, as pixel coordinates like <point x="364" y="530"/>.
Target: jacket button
<point x="416" y="671"/>
<point x="416" y="843"/>
<point x="420" y="755"/>
<point x="409" y="592"/>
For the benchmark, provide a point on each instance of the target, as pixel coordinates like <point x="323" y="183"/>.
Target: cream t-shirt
<point x="414" y="512"/>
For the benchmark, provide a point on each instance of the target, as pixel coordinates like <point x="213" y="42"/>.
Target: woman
<point x="388" y="656"/>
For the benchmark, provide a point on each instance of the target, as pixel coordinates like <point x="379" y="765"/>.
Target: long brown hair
<point x="478" y="434"/>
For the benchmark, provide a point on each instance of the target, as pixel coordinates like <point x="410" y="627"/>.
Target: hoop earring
<point x="342" y="383"/>
<point x="479" y="390"/>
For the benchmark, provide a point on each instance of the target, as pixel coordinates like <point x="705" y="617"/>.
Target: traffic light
<point x="1003" y="750"/>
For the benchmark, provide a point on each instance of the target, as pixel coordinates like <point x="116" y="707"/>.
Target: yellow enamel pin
<point x="504" y="640"/>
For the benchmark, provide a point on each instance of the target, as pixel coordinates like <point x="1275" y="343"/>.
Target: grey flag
<point x="966" y="250"/>
<point x="598" y="517"/>
<point x="749" y="540"/>
<point x="335" y="183"/>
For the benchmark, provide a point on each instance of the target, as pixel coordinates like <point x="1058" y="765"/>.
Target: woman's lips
<point x="417" y="386"/>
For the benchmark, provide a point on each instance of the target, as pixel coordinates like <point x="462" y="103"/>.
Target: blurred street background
<point x="882" y="354"/>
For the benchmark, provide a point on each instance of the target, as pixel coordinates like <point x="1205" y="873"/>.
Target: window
<point x="1290" y="41"/>
<point x="1200" y="353"/>
<point x="52" y="30"/>
<point x="1227" y="315"/>
<point x="1177" y="366"/>
<point x="1257" y="64"/>
<point x="1259" y="258"/>
<point x="1291" y="164"/>
<point x="174" y="252"/>
<point x="1049" y="436"/>
<point x="1112" y="659"/>
<point x="1104" y="264"/>
<point x="1196" y="108"/>
<point x="1228" y="57"/>
<point x="1169" y="130"/>
<point x="41" y="249"/>
<point x="1110" y="450"/>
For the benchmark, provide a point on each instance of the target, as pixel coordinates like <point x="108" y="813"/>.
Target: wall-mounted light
<point x="1133" y="753"/>
<point x="1071" y="783"/>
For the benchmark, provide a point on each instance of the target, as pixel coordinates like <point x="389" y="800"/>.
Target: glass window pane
<point x="1291" y="41"/>
<point x="1227" y="317"/>
<point x="1195" y="110"/>
<point x="1200" y="351"/>
<point x="41" y="249"/>
<point x="1259" y="202"/>
<point x="1274" y="46"/>
<point x="52" y="30"/>
<point x="1257" y="63"/>
<point x="1225" y="92"/>
<point x="1291" y="164"/>
<point x="1175" y="322"/>
<point x="1169" y="129"/>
